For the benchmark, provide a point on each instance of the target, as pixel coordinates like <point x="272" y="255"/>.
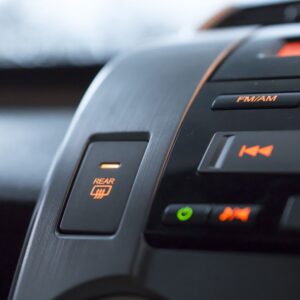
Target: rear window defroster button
<point x="102" y="187"/>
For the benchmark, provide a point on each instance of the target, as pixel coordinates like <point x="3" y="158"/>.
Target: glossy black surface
<point x="182" y="184"/>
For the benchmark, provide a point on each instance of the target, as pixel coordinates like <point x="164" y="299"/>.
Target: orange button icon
<point x="102" y="187"/>
<point x="254" y="151"/>
<point x="230" y="214"/>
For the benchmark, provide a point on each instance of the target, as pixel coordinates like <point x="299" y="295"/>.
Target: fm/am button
<point x="255" y="101"/>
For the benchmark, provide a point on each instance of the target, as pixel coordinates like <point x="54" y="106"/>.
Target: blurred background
<point x="46" y="33"/>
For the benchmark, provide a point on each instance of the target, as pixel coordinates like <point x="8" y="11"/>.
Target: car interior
<point x="150" y="150"/>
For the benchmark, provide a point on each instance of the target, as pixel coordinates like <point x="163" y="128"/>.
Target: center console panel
<point x="178" y="178"/>
<point x="235" y="169"/>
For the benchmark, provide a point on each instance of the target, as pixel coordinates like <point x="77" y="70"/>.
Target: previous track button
<point x="253" y="152"/>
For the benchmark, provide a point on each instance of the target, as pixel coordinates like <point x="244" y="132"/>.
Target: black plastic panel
<point x="182" y="183"/>
<point x="257" y="58"/>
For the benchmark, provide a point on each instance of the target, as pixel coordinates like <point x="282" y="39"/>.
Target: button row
<point x="205" y="214"/>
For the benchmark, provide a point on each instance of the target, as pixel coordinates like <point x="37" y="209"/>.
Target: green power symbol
<point x="184" y="214"/>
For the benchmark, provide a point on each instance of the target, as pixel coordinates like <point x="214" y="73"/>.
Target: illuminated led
<point x="230" y="214"/>
<point x="184" y="214"/>
<point x="291" y="48"/>
<point x="110" y="166"/>
<point x="255" y="150"/>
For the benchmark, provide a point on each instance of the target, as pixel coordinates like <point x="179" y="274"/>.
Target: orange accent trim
<point x="219" y="17"/>
<point x="212" y="68"/>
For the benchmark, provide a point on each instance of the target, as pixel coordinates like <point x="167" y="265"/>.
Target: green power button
<point x="184" y="214"/>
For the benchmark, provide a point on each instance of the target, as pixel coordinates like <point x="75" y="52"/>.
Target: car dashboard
<point x="178" y="177"/>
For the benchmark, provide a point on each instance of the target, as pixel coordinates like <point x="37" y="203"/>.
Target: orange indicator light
<point x="230" y="214"/>
<point x="289" y="49"/>
<point x="110" y="165"/>
<point x="255" y="150"/>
